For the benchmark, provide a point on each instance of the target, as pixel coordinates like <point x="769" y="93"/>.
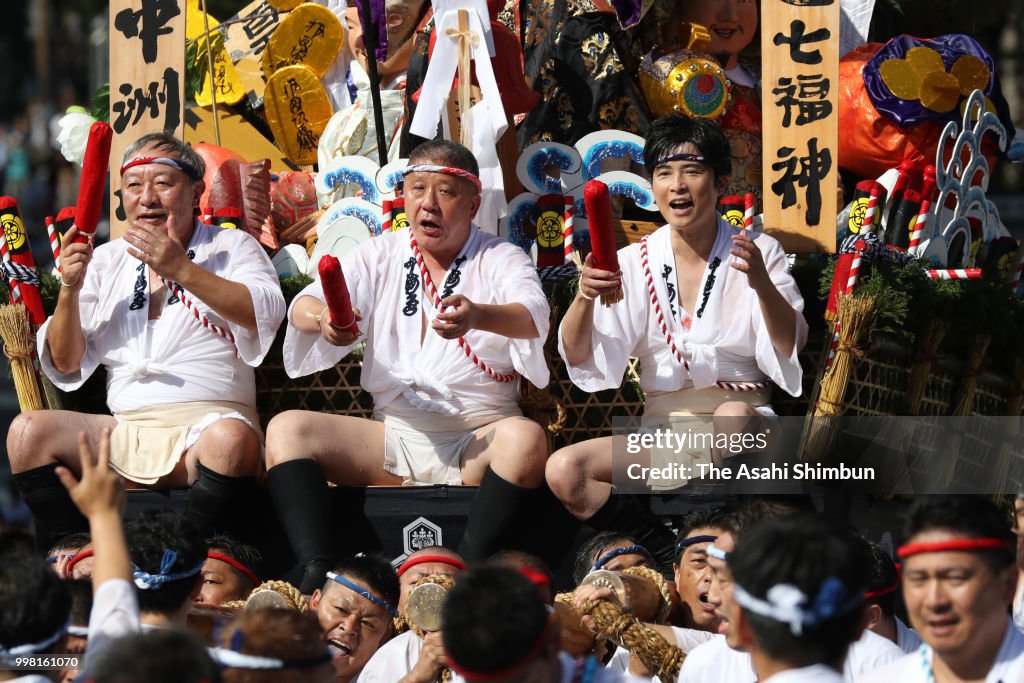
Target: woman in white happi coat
<point x="452" y="317"/>
<point x="711" y="312"/>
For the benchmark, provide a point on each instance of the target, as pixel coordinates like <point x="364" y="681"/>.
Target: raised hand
<point x="595" y="282"/>
<point x="74" y="260"/>
<point x="750" y="261"/>
<point x="336" y="335"/>
<point x="157" y="247"/>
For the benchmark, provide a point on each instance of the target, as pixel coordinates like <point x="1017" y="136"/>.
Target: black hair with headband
<point x="668" y="134"/>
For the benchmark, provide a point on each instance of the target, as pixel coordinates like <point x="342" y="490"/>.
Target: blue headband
<point x="628" y="550"/>
<point x="694" y="540"/>
<point x="153" y="582"/>
<point x="355" y="587"/>
<point x="717" y="553"/>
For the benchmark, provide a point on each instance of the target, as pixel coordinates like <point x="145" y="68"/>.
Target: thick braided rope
<point x="655" y="577"/>
<point x="203" y="320"/>
<point x="432" y="292"/>
<point x="292" y="595"/>
<point x="641" y="640"/>
<point x="5" y="255"/>
<point x="866" y="225"/>
<point x="729" y="386"/>
<point x="16" y="272"/>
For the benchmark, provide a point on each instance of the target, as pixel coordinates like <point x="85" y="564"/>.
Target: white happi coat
<point x="1008" y="666"/>
<point x="172" y="359"/>
<point x="729" y="340"/>
<point x="395" y="659"/>
<point x="386" y="286"/>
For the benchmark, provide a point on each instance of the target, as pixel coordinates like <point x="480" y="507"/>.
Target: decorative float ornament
<point x="284" y="5"/>
<point x="731" y="208"/>
<point x="549" y="218"/>
<point x="685" y="80"/>
<point x="228" y="88"/>
<point x="859" y="205"/>
<point x="339" y="303"/>
<point x="19" y="266"/>
<point x="292" y="197"/>
<point x="310" y="35"/>
<point x="92" y="187"/>
<point x="297" y="110"/>
<point x="74" y="134"/>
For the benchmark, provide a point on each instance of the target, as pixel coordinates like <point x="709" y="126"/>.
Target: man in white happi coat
<point x="724" y="322"/>
<point x="179" y="313"/>
<point x="959" y="576"/>
<point x="451" y="318"/>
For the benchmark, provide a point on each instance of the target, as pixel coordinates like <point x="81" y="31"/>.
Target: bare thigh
<point x="45" y="437"/>
<point x="515" y="448"/>
<point x="350" y="450"/>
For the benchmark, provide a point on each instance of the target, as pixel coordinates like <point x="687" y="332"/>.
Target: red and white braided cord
<point x="201" y="317"/>
<point x="428" y="283"/>
<point x="729" y="386"/>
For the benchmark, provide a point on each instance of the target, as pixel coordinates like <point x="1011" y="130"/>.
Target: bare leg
<point x="46" y="437"/>
<point x="732" y="417"/>
<point x="580" y="476"/>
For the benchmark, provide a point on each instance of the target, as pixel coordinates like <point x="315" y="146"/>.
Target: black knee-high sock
<point x="55" y="513"/>
<point x="632" y="514"/>
<point x="215" y="498"/>
<point x="497" y="507"/>
<point x="303" y="504"/>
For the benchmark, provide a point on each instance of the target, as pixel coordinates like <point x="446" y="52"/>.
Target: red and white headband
<point x="182" y="166"/>
<point x="954" y="545"/>
<point x="447" y="170"/>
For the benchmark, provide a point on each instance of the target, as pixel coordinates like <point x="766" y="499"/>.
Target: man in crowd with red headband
<point x="356" y="605"/>
<point x="883" y="592"/>
<point x="179" y="313"/>
<point x="451" y="317"/>
<point x="414" y="657"/>
<point x="959" y="576"/>
<point x="229" y="571"/>
<point x="711" y="312"/>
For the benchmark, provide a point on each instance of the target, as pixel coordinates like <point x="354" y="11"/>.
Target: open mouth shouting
<point x="431" y="228"/>
<point x="681" y="207"/>
<point x="338" y="650"/>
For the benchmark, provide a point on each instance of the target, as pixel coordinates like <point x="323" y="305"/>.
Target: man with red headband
<point x="451" y="317"/>
<point x="959" y="577"/>
<point x="179" y="313"/>
<point x="414" y="657"/>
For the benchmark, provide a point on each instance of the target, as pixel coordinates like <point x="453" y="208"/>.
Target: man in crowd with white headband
<point x="798" y="598"/>
<point x="959" y="577"/>
<point x="179" y="313"/>
<point x="414" y="657"/>
<point x="451" y="318"/>
<point x="711" y="312"/>
<point x="497" y="628"/>
<point x="356" y="607"/>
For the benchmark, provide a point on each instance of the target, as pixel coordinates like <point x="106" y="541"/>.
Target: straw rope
<point x="655" y="577"/>
<point x="641" y="640"/>
<point x="19" y="347"/>
<point x="969" y="380"/>
<point x="921" y="369"/>
<point x="290" y="593"/>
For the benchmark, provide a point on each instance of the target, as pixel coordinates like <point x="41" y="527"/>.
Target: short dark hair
<point x="279" y="633"/>
<point x="150" y="534"/>
<point x="808" y="552"/>
<point x="882" y="576"/>
<point x="73" y="541"/>
<point x="968" y="516"/>
<point x="699" y="518"/>
<point x="668" y="133"/>
<point x="447" y="152"/>
<point x="491" y="619"/>
<point x="373" y="572"/>
<point x="591" y="549"/>
<point x="80" y="591"/>
<point x="35" y="603"/>
<point x="157" y="656"/>
<point x="738" y="521"/>
<point x="243" y="553"/>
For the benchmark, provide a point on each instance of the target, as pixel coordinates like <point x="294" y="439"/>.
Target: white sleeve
<point x="92" y="327"/>
<point x="308" y="352"/>
<point x="689" y="638"/>
<point x="251" y="267"/>
<point x="784" y="371"/>
<point x="617" y="331"/>
<point x="517" y="282"/>
<point x="115" y="613"/>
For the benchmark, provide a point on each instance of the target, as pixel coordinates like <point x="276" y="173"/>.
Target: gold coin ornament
<point x="310" y="35"/>
<point x="972" y="74"/>
<point x="684" y="82"/>
<point x="284" y="5"/>
<point x="423" y="609"/>
<point x="940" y="92"/>
<point x="14" y="231"/>
<point x="297" y="110"/>
<point x="550" y="229"/>
<point x="924" y="61"/>
<point x="902" y="79"/>
<point x="857" y="213"/>
<point x="734" y="217"/>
